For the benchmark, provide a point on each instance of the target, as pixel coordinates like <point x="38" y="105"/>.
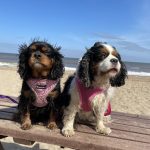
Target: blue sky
<point x="77" y="24"/>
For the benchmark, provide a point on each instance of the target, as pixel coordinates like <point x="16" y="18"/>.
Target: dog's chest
<point x="87" y="95"/>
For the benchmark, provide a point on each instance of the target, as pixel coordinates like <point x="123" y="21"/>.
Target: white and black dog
<point x="89" y="90"/>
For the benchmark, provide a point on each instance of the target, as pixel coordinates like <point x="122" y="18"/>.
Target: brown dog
<point x="40" y="67"/>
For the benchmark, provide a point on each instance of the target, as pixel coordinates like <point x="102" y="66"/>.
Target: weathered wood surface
<point x="129" y="131"/>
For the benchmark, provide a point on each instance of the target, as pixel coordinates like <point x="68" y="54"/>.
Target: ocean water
<point x="134" y="68"/>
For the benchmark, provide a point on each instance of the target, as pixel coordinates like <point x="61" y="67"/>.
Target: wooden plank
<point x="119" y="126"/>
<point x="81" y="140"/>
<point x="131" y="115"/>
<point x="8" y="98"/>
<point x="131" y="119"/>
<point x="8" y="109"/>
<point x="135" y="117"/>
<point x="140" y="121"/>
<point x="6" y="116"/>
<point x="8" y="102"/>
<point x="130" y="136"/>
<point x="134" y="122"/>
<point x="128" y="128"/>
<point x="3" y="103"/>
<point x="125" y="124"/>
<point x="121" y="134"/>
<point x="116" y="117"/>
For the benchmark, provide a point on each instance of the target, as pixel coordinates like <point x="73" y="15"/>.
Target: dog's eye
<point x="47" y="53"/>
<point x="103" y="55"/>
<point x="32" y="50"/>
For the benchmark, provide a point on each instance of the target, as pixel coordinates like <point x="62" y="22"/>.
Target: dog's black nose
<point x="37" y="54"/>
<point x="114" y="61"/>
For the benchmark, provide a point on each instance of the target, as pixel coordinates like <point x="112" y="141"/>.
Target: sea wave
<point x="5" y="64"/>
<point x="70" y="68"/>
<point x="129" y="72"/>
<point x="138" y="73"/>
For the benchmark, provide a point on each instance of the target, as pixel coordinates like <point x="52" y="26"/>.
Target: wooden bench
<point x="129" y="131"/>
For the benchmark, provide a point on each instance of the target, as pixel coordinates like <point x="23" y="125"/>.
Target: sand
<point x="133" y="97"/>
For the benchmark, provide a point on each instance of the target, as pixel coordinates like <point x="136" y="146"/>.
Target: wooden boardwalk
<point x="129" y="131"/>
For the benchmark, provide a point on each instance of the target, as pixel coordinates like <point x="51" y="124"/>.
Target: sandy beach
<point x="133" y="97"/>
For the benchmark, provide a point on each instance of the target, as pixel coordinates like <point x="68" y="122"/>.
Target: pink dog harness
<point x="87" y="95"/>
<point x="41" y="89"/>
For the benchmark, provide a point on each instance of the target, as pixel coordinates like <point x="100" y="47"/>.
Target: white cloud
<point x="107" y="36"/>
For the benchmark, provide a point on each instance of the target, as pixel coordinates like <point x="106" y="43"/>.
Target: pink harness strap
<point x="41" y="89"/>
<point x="87" y="95"/>
<point x="108" y="111"/>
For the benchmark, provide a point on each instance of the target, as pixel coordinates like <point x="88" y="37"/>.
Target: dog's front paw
<point x="26" y="125"/>
<point x="68" y="132"/>
<point x="52" y="125"/>
<point x="105" y="130"/>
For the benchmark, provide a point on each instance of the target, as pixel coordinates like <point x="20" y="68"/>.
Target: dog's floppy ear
<point x="83" y="72"/>
<point x="58" y="67"/>
<point x="23" y="68"/>
<point x="119" y="79"/>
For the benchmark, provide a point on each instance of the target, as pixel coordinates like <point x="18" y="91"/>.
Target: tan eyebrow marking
<point x="44" y="48"/>
<point x="33" y="47"/>
<point x="114" y="53"/>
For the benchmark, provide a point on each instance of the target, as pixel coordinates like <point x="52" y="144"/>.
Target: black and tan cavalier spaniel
<point x="89" y="91"/>
<point x="40" y="67"/>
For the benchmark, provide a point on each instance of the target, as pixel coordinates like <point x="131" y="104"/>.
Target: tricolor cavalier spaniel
<point x="88" y="91"/>
<point x="40" y="67"/>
